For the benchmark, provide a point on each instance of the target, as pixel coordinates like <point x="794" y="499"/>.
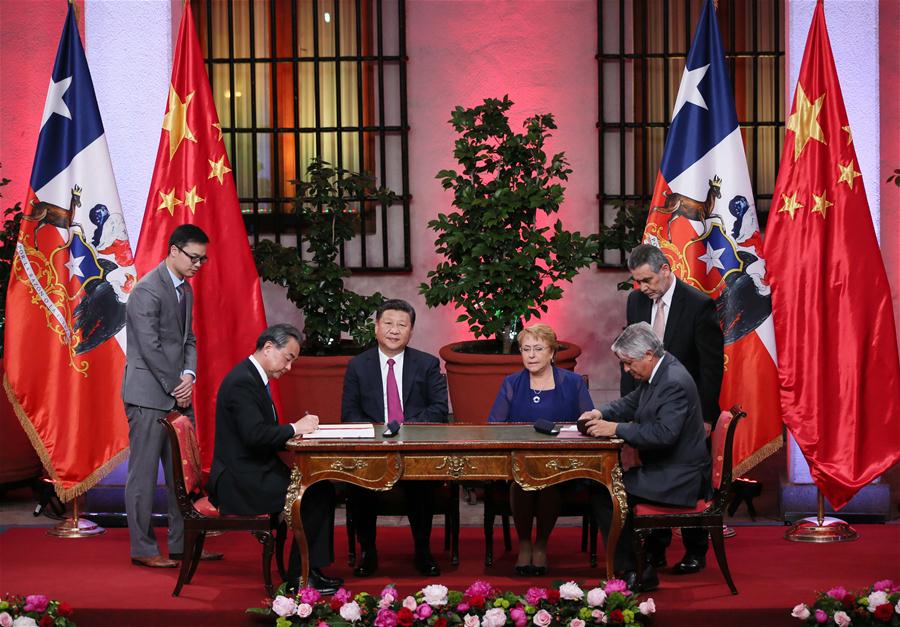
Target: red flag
<point x="837" y="346"/>
<point x="70" y="279"/>
<point x="193" y="183"/>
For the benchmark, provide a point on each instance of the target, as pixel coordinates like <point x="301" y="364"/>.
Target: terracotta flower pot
<point x="474" y="378"/>
<point x="315" y="385"/>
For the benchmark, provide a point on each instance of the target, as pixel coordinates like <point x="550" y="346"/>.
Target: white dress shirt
<point x="667" y="299"/>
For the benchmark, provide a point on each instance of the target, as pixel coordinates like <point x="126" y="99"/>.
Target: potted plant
<point x="501" y="266"/>
<point x="337" y="321"/>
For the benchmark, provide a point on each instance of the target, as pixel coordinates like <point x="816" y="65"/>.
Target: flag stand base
<point x="75" y="526"/>
<point x="821" y="529"/>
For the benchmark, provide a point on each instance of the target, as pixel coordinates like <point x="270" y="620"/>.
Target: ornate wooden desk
<point x="455" y="452"/>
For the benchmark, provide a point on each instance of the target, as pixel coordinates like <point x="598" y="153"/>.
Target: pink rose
<point x="535" y="595"/>
<point x="385" y="602"/>
<point x="838" y="592"/>
<point x="462" y="607"/>
<point x="471" y="621"/>
<point x="343" y="595"/>
<point x="647" y="607"/>
<point x="410" y="603"/>
<point x="310" y="595"/>
<point x="5" y="620"/>
<point x="283" y="606"/>
<point x="423" y="611"/>
<point x="518" y="616"/>
<point x="304" y="610"/>
<point x="576" y="622"/>
<point x="480" y="589"/>
<point x="615" y="585"/>
<point x="351" y="611"/>
<point x="800" y="611"/>
<point x="389" y="590"/>
<point x="386" y="618"/>
<point x="596" y="597"/>
<point x="599" y="616"/>
<point x="821" y="616"/>
<point x="542" y="618"/>
<point x="885" y="585"/>
<point x="841" y="619"/>
<point x="36" y="603"/>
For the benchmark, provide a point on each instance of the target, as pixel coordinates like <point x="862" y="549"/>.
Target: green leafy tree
<point x="327" y="206"/>
<point x="9" y="235"/>
<point x="500" y="268"/>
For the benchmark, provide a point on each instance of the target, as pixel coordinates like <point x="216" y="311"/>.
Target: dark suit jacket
<point x="663" y="422"/>
<point x="159" y="344"/>
<point x="693" y="336"/>
<point x="247" y="476"/>
<point x="424" y="389"/>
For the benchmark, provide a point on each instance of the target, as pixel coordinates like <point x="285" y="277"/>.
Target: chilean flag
<point x="703" y="217"/>
<point x="70" y="279"/>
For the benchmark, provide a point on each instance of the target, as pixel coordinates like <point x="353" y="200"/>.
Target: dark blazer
<point x="693" y="336"/>
<point x="159" y="344"/>
<point x="572" y="398"/>
<point x="663" y="422"/>
<point x="247" y="476"/>
<point x="424" y="389"/>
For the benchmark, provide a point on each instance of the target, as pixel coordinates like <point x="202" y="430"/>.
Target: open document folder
<point x="341" y="431"/>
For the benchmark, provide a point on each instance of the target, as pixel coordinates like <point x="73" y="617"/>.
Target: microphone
<point x="546" y="426"/>
<point x="392" y="429"/>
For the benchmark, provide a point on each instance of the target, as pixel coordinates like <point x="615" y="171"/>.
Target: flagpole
<point x="821" y="529"/>
<point x="76" y="527"/>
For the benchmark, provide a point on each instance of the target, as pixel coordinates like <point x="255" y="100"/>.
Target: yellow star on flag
<point x="803" y="121"/>
<point x="821" y="203"/>
<point x="192" y="199"/>
<point x="848" y="173"/>
<point x="175" y="120"/>
<point x="218" y="169"/>
<point x="790" y="205"/>
<point x="849" y="134"/>
<point x="218" y="127"/>
<point x="168" y="201"/>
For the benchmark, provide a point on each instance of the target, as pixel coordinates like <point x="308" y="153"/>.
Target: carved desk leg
<point x="620" y="513"/>
<point x="295" y="520"/>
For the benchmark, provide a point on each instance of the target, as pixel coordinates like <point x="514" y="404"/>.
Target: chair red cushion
<point x="651" y="509"/>
<point x="190" y="452"/>
<point x="206" y="508"/>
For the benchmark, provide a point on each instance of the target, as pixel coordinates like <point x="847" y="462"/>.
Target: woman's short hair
<point x="542" y="332"/>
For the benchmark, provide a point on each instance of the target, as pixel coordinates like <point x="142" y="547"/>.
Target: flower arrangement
<point x="34" y="610"/>
<point x="879" y="605"/>
<point x="480" y="605"/>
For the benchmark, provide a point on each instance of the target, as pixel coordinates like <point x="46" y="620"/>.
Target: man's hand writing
<point x="307" y="424"/>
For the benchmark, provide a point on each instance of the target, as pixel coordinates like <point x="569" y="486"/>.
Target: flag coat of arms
<point x="839" y="369"/>
<point x="703" y="217"/>
<point x="71" y="276"/>
<point x="193" y="183"/>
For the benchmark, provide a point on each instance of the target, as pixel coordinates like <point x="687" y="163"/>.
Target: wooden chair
<point x="705" y="514"/>
<point x="201" y="517"/>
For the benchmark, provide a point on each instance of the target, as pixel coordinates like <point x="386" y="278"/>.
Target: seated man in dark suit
<point x="663" y="420"/>
<point x="387" y="384"/>
<point x="247" y="477"/>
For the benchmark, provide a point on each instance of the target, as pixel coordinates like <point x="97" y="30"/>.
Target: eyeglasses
<point x="197" y="260"/>
<point x="537" y="350"/>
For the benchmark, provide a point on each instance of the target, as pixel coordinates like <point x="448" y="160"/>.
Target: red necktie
<point x="394" y="409"/>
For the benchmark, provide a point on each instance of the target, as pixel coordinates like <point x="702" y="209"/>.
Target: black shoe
<point x="425" y="564"/>
<point x="368" y="564"/>
<point x="525" y="571"/>
<point x="337" y="582"/>
<point x="657" y="561"/>
<point x="649" y="582"/>
<point x="323" y="587"/>
<point x="689" y="565"/>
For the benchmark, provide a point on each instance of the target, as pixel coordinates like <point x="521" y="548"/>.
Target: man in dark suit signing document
<point x="662" y="419"/>
<point x="392" y="384"/>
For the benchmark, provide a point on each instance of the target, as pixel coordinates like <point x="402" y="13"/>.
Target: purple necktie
<point x="394" y="409"/>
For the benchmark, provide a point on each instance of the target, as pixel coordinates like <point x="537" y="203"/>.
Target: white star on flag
<point x="55" y="102"/>
<point x="711" y="258"/>
<point x="74" y="266"/>
<point x="689" y="90"/>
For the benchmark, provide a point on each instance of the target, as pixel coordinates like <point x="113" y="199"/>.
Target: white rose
<point x="435" y="595"/>
<point x="841" y="619"/>
<point x="471" y="621"/>
<point x="877" y="598"/>
<point x="350" y="611"/>
<point x="596" y="597"/>
<point x="800" y="611"/>
<point x="647" y="607"/>
<point x="304" y="610"/>
<point x="410" y="603"/>
<point x="494" y="617"/>
<point x="24" y="621"/>
<point x="283" y="606"/>
<point x="570" y="591"/>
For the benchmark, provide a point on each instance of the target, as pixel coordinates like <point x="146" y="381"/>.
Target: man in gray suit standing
<point x="160" y="371"/>
<point x="663" y="420"/>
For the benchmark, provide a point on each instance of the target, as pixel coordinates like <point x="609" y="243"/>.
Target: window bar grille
<point x="361" y="138"/>
<point x="382" y="149"/>
<point x="232" y="106"/>
<point x="277" y="184"/>
<point x="317" y="90"/>
<point x="295" y="75"/>
<point x="254" y="137"/>
<point x="404" y="133"/>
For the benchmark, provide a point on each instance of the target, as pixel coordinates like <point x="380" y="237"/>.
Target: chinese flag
<point x="193" y="183"/>
<point x="837" y="346"/>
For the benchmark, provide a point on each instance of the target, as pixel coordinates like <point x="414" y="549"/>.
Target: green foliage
<point x="499" y="266"/>
<point x="327" y="205"/>
<point x="9" y="234"/>
<point x="895" y="177"/>
<point x="626" y="232"/>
